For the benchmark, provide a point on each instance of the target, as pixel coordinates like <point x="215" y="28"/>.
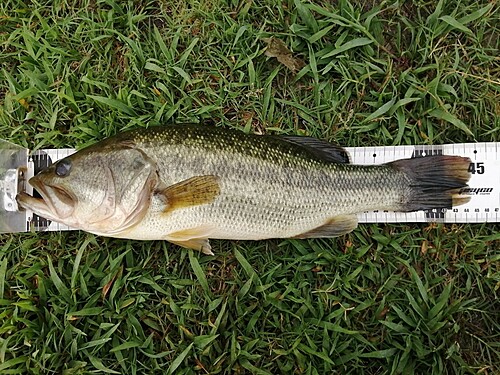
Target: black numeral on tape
<point x="476" y="168"/>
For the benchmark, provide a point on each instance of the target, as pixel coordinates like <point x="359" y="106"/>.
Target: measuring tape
<point x="484" y="185"/>
<point x="483" y="189"/>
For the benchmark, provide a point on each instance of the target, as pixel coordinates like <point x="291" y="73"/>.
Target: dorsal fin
<point x="322" y="149"/>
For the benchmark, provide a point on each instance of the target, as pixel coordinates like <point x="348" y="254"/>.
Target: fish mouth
<point x="55" y="202"/>
<point x="27" y="202"/>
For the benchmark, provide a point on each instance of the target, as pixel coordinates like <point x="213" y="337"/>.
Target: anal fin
<point x="336" y="226"/>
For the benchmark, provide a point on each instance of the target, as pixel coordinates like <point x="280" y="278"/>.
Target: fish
<point x="189" y="183"/>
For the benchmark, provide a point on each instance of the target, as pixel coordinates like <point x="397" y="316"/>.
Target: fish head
<point x="103" y="190"/>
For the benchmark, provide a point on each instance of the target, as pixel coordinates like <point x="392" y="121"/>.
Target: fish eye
<point x="63" y="167"/>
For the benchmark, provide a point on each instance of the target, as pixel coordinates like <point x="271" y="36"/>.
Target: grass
<point x="394" y="299"/>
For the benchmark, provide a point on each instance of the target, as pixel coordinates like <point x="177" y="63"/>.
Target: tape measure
<point x="484" y="184"/>
<point x="483" y="189"/>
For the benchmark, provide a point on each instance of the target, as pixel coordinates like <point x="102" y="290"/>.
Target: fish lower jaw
<point x="37" y="205"/>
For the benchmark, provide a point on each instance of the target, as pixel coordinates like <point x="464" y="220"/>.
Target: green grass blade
<point x="456" y="24"/>
<point x="306" y="15"/>
<point x="114" y="103"/>
<point x="383" y="109"/>
<point x="198" y="271"/>
<point x="56" y="280"/>
<point x="3" y="275"/>
<point x="448" y="117"/>
<point x="358" y="42"/>
<point x="179" y="359"/>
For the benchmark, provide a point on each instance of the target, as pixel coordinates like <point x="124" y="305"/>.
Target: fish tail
<point x="435" y="181"/>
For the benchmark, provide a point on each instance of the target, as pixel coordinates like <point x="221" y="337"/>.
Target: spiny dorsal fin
<point x="336" y="226"/>
<point x="322" y="149"/>
<point x="191" y="192"/>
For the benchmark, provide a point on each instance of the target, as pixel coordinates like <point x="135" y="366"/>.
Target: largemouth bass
<point x="188" y="183"/>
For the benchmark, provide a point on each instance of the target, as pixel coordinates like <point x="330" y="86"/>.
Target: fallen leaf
<point x="107" y="287"/>
<point x="24" y="103"/>
<point x="277" y="48"/>
<point x="424" y="247"/>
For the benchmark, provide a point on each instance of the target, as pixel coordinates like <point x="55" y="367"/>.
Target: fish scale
<point x="296" y="193"/>
<point x="209" y="182"/>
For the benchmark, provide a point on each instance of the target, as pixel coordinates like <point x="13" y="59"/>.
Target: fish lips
<point x="55" y="203"/>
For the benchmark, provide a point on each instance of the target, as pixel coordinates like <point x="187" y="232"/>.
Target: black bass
<point x="188" y="183"/>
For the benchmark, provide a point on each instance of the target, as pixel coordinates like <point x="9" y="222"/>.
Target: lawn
<point x="385" y="299"/>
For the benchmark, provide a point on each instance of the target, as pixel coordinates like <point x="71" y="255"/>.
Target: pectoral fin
<point x="336" y="226"/>
<point x="191" y="192"/>
<point x="193" y="238"/>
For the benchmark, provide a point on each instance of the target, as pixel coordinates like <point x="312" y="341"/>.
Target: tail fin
<point x="435" y="181"/>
